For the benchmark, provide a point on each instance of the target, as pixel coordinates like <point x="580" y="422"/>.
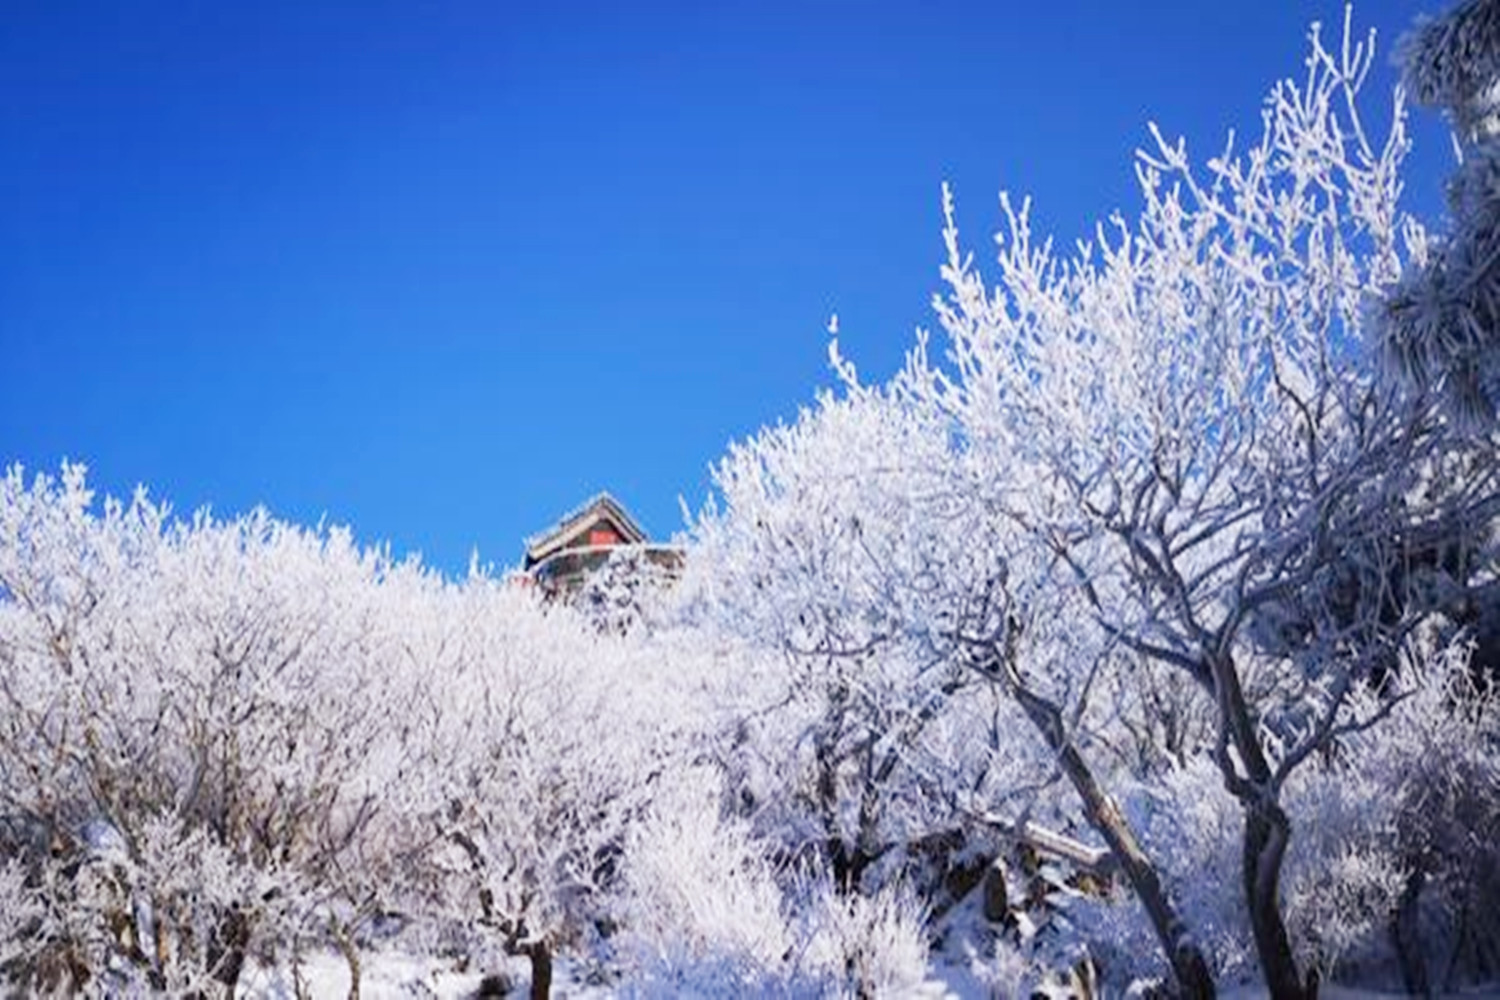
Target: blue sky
<point x="442" y="270"/>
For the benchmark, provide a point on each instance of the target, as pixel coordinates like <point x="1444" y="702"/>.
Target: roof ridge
<point x="602" y="499"/>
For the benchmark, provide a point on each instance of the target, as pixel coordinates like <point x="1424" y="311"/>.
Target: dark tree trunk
<point x="350" y="951"/>
<point x="996" y="901"/>
<point x="847" y="865"/>
<point x="541" y="969"/>
<point x="1406" y="935"/>
<point x="1266" y="833"/>
<point x="1189" y="967"/>
<point x="226" y="953"/>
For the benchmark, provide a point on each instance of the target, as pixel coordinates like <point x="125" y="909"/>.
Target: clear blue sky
<point x="442" y="270"/>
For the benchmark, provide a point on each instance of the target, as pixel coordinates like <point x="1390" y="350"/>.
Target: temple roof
<point x="573" y="530"/>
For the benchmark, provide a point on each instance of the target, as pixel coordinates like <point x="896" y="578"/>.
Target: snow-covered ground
<point x="391" y="975"/>
<point x="395" y="976"/>
<point x="969" y="962"/>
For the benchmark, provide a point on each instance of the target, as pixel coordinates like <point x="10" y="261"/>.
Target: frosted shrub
<point x="1346" y="906"/>
<point x="703" y="906"/>
<point x="1394" y="809"/>
<point x="871" y="946"/>
<point x="1434" y="802"/>
<point x="1004" y="970"/>
<point x="1344" y="874"/>
<point x="709" y="914"/>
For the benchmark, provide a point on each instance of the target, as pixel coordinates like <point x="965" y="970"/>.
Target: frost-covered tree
<point x="544" y="738"/>
<point x="1147" y="550"/>
<point x="193" y="742"/>
<point x="623" y="593"/>
<point x="1162" y="466"/>
<point x="225" y="742"/>
<point x="852" y="731"/>
<point x="1178" y="425"/>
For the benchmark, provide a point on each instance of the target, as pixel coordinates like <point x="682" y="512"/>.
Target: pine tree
<point x="1441" y="329"/>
